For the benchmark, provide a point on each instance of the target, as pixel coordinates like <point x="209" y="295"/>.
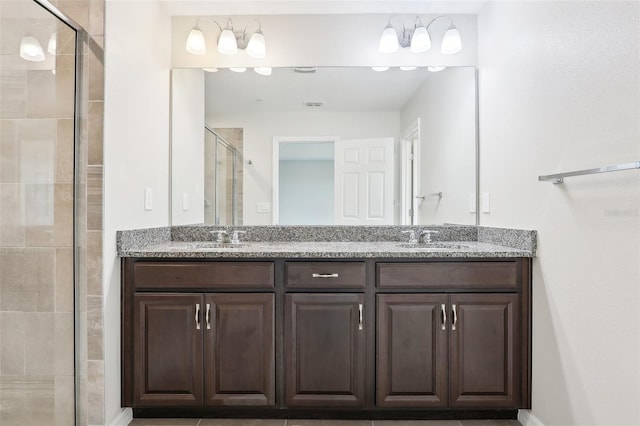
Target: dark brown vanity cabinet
<point x="440" y="350"/>
<point x="324" y="348"/>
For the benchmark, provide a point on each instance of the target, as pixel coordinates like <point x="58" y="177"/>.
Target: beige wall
<point x="560" y="91"/>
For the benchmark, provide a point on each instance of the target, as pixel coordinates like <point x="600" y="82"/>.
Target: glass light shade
<point x="421" y="41"/>
<point x="195" y="42"/>
<point x="31" y="50"/>
<point x="435" y="68"/>
<point x="451" y="42"/>
<point x="389" y="40"/>
<point x="257" y="47"/>
<point x="263" y="70"/>
<point x="379" y="69"/>
<point x="238" y="69"/>
<point x="210" y="69"/>
<point x="53" y="44"/>
<point x="409" y="68"/>
<point x="227" y="44"/>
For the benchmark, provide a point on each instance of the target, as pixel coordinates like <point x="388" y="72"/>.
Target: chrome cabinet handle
<point x="316" y="275"/>
<point x="455" y="317"/>
<point x="443" y="316"/>
<point x="360" y="316"/>
<point x="197" y="316"/>
<point x="208" y="316"/>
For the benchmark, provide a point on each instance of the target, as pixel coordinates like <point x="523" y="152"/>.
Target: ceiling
<point x="274" y="7"/>
<point x="351" y="89"/>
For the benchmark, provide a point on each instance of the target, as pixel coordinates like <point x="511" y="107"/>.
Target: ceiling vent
<point x="313" y="104"/>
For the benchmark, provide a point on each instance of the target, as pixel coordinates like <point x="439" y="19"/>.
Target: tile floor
<point x="250" y="422"/>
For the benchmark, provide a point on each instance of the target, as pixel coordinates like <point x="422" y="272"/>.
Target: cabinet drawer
<point x="325" y="274"/>
<point x="203" y="274"/>
<point x="494" y="275"/>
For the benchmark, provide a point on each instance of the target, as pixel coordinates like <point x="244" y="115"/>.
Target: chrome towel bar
<point x="559" y="177"/>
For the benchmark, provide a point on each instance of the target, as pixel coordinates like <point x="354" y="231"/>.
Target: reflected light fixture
<point x="210" y="69"/>
<point x="435" y="68"/>
<point x="53" y="44"/>
<point x="263" y="70"/>
<point x="418" y="38"/>
<point x="238" y="69"/>
<point x="31" y="49"/>
<point x="229" y="41"/>
<point x="407" y="68"/>
<point x="379" y="69"/>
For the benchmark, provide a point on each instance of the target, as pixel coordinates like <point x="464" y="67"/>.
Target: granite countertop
<point x="332" y="242"/>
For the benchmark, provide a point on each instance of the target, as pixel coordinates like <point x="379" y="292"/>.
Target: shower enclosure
<point x="39" y="131"/>
<point x="222" y="201"/>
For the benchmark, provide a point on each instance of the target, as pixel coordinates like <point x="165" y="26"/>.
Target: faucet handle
<point x="221" y="235"/>
<point x="426" y="235"/>
<point x="412" y="236"/>
<point x="235" y="236"/>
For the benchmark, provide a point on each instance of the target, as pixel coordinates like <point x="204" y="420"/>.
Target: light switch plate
<point x="472" y="203"/>
<point x="148" y="199"/>
<point x="486" y="202"/>
<point x="185" y="201"/>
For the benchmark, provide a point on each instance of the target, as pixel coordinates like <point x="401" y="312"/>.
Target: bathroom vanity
<point x="323" y="329"/>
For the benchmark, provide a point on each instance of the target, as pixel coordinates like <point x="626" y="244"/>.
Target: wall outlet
<point x="185" y="201"/>
<point x="486" y="202"/>
<point x="148" y="199"/>
<point x="263" y="207"/>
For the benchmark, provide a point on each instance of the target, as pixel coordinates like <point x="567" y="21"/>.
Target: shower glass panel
<point x="221" y="169"/>
<point x="37" y="142"/>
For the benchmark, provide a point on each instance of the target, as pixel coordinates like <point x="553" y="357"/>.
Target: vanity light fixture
<point x="380" y="69"/>
<point x="31" y="49"/>
<point x="238" y="69"/>
<point x="210" y="69"/>
<point x="229" y="40"/>
<point x="407" y="68"/>
<point x="418" y="38"/>
<point x="53" y="44"/>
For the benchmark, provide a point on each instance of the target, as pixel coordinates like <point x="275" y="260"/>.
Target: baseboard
<point x="122" y="419"/>
<point x="527" y="419"/>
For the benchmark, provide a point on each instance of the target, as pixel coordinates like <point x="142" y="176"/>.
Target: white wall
<point x="446" y="105"/>
<point x="136" y="149"/>
<point x="187" y="146"/>
<point x="306" y="192"/>
<point x="260" y="128"/>
<point x="324" y="40"/>
<point x="560" y="91"/>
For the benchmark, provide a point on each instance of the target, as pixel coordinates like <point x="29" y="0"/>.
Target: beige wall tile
<point x="94" y="263"/>
<point x="78" y="10"/>
<point x="13" y="89"/>
<point x="63" y="344"/>
<point x="64" y="400"/>
<point x="64" y="280"/>
<point x="39" y="353"/>
<point x="12" y="231"/>
<point x="96" y="69"/>
<point x="41" y="94"/>
<point x="94" y="328"/>
<point x="37" y="144"/>
<point x="26" y="400"/>
<point x="60" y="232"/>
<point x="28" y="279"/>
<point x="94" y="198"/>
<point x="12" y="343"/>
<point x="66" y="41"/>
<point x="9" y="152"/>
<point x="95" y="393"/>
<point x="64" y="151"/>
<point x="96" y="17"/>
<point x="96" y="113"/>
<point x="65" y="85"/>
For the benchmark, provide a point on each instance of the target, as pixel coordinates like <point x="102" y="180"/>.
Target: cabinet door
<point x="324" y="344"/>
<point x="239" y="362"/>
<point x="167" y="350"/>
<point x="412" y="350"/>
<point x="485" y="350"/>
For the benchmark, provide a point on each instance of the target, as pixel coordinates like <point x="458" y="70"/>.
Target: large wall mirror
<point x="324" y="145"/>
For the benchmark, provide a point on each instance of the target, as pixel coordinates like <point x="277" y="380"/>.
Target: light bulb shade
<point x="263" y="70"/>
<point x="389" y="40"/>
<point x="53" y="44"/>
<point x="435" y="68"/>
<point x="451" y="42"/>
<point x="257" y="47"/>
<point x="421" y="41"/>
<point x="227" y="44"/>
<point x="31" y="50"/>
<point x="195" y="42"/>
<point x="380" y="69"/>
<point x="408" y="68"/>
<point x="238" y="69"/>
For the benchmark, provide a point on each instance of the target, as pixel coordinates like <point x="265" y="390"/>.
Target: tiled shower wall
<point x="36" y="317"/>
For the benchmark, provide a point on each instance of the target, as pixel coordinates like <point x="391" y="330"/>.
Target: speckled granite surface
<point x="327" y="242"/>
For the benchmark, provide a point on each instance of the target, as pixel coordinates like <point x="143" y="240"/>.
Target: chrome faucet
<point x="235" y="236"/>
<point x="425" y="235"/>
<point x="223" y="236"/>
<point x="412" y="236"/>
